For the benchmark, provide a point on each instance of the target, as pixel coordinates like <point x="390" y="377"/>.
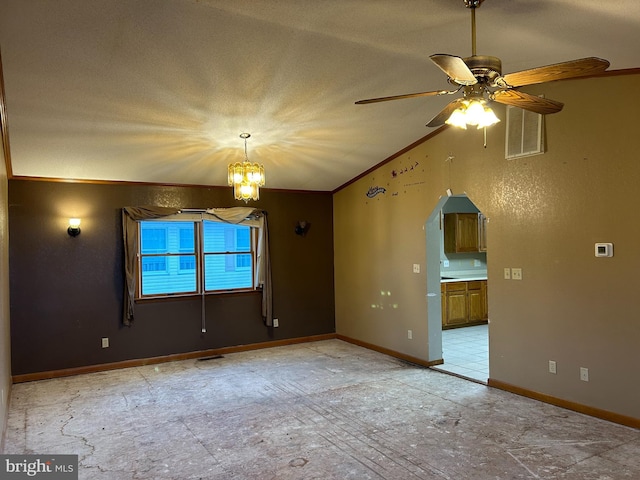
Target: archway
<point x="457" y="287"/>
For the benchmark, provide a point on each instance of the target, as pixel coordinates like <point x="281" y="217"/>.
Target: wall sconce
<point x="302" y="227"/>
<point x="74" y="227"/>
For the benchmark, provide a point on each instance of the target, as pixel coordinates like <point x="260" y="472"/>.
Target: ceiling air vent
<point x="524" y="133"/>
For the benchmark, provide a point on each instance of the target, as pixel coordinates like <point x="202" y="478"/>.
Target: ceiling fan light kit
<point x="472" y="112"/>
<point x="481" y="80"/>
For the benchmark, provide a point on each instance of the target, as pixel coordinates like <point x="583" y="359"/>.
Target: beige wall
<point x="545" y="214"/>
<point x="5" y="349"/>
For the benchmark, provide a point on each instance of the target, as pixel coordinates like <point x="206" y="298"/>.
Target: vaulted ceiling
<point x="160" y="90"/>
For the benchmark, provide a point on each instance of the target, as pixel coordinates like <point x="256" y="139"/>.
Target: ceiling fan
<point x="481" y="81"/>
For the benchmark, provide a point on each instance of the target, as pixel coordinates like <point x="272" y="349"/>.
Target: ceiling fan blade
<point x="558" y="71"/>
<point x="455" y="68"/>
<point x="444" y="115"/>
<point x="528" y="102"/>
<point x="407" y="95"/>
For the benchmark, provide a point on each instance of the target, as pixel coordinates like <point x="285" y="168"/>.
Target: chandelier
<point x="246" y="177"/>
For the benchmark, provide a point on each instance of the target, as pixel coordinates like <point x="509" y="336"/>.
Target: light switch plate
<point x="507" y="273"/>
<point x="416" y="268"/>
<point x="516" y="273"/>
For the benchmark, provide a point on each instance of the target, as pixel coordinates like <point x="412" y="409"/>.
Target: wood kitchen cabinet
<point x="464" y="303"/>
<point x="482" y="232"/>
<point x="485" y="298"/>
<point x="464" y="232"/>
<point x="456" y="303"/>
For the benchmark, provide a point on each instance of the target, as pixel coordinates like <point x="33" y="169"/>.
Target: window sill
<point x="183" y="296"/>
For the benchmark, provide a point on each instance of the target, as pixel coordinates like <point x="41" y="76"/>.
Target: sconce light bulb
<point x="74" y="227"/>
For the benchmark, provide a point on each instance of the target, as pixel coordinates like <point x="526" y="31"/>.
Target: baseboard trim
<point x="559" y="402"/>
<point x="139" y="362"/>
<point x="391" y="353"/>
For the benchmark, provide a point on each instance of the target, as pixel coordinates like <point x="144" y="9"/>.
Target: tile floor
<point x="466" y="352"/>
<point x="323" y="410"/>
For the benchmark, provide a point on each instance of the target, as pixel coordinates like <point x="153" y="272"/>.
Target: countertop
<point x="462" y="278"/>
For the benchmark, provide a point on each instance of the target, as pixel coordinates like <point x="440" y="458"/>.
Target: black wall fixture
<point x="302" y="227"/>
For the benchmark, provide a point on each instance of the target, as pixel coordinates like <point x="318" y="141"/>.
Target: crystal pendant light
<point x="246" y="177"/>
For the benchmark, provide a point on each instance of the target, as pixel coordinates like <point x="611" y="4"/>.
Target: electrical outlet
<point x="416" y="268"/>
<point x="410" y="334"/>
<point x="445" y="263"/>
<point x="105" y="342"/>
<point x="516" y="273"/>
<point x="276" y="322"/>
<point x="507" y="273"/>
<point x="552" y="367"/>
<point x="584" y="374"/>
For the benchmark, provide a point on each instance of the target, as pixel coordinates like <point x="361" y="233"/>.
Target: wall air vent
<point x="524" y="133"/>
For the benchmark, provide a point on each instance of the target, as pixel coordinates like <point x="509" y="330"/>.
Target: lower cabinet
<point x="464" y="303"/>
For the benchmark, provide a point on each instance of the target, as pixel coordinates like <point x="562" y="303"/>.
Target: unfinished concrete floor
<point x="322" y="410"/>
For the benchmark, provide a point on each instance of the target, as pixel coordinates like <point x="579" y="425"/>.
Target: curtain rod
<point x="204" y="210"/>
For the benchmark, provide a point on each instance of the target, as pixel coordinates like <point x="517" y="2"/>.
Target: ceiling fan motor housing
<point x="485" y="68"/>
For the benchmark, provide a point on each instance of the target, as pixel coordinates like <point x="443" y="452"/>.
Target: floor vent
<point x="215" y="357"/>
<point x="524" y="133"/>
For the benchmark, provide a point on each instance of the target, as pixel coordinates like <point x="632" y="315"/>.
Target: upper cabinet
<point x="464" y="232"/>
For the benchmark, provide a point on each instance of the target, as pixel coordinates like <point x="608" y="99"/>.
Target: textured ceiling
<point x="159" y="90"/>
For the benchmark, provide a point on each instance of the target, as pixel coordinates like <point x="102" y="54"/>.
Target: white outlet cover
<point x="604" y="250"/>
<point x="584" y="374"/>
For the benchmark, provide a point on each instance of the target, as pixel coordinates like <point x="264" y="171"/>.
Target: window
<point x="228" y="259"/>
<point x="165" y="252"/>
<point x="183" y="257"/>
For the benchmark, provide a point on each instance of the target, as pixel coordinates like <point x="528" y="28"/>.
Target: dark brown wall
<point x="67" y="293"/>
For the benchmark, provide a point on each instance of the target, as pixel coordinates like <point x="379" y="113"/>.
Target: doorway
<point x="457" y="288"/>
